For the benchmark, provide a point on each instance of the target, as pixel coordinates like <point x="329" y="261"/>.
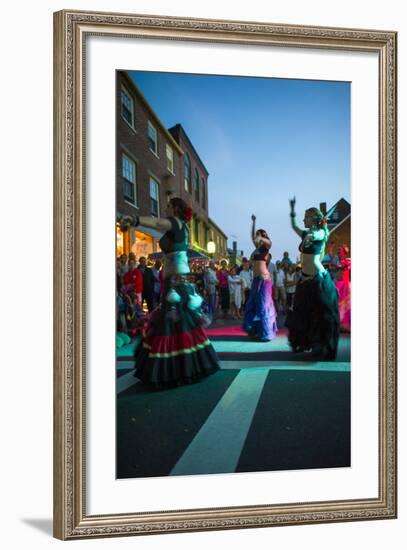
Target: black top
<point x="176" y="238"/>
<point x="310" y="247"/>
<point x="260" y="253"/>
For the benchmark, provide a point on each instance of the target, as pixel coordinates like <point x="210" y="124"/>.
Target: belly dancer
<point x="259" y="319"/>
<point x="175" y="349"/>
<point x="313" y="324"/>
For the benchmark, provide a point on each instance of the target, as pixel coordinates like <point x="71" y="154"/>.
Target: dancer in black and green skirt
<point x="175" y="349"/>
<point x="313" y="324"/>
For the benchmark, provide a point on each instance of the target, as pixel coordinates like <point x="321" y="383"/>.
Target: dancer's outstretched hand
<point x="292" y="203"/>
<point x="253" y="217"/>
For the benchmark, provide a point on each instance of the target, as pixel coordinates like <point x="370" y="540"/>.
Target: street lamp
<point x="211" y="247"/>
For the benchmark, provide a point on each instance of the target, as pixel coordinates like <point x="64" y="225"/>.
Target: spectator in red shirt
<point x="133" y="281"/>
<point x="222" y="276"/>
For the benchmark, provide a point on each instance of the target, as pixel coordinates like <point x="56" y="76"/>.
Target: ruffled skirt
<point x="259" y="319"/>
<point x="314" y="323"/>
<point x="175" y="349"/>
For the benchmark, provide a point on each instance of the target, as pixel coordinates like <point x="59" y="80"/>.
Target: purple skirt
<point x="259" y="319"/>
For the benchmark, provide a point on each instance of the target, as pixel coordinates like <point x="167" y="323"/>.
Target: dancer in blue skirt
<point x="259" y="319"/>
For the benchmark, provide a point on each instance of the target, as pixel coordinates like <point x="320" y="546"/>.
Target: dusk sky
<point x="262" y="141"/>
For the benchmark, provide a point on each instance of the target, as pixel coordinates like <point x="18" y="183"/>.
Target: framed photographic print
<point x="225" y="274"/>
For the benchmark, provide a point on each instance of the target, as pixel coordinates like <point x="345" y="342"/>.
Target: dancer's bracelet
<point x="292" y="214"/>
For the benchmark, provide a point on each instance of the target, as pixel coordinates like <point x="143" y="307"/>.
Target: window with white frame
<point x="154" y="197"/>
<point x="170" y="158"/>
<point x="129" y="174"/>
<point x="152" y="138"/>
<point x="127" y="107"/>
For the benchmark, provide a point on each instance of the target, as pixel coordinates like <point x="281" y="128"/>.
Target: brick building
<point x="148" y="161"/>
<point x="339" y="223"/>
<point x="340" y="234"/>
<point x="194" y="189"/>
<point x="217" y="236"/>
<point x="152" y="165"/>
<point x="337" y="213"/>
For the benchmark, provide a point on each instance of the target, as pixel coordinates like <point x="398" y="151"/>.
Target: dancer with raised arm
<point x="313" y="324"/>
<point x="175" y="349"/>
<point x="259" y="319"/>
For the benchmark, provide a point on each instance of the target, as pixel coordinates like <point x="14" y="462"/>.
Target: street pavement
<point x="266" y="409"/>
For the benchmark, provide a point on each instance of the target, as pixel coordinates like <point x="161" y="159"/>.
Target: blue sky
<point x="262" y="140"/>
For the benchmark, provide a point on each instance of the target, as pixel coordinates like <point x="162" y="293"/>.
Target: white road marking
<point x="217" y="446"/>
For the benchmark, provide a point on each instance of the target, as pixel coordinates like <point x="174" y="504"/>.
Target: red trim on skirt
<point x="176" y="342"/>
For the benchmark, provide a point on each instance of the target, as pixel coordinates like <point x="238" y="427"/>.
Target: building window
<point x="152" y="138"/>
<point x="335" y="215"/>
<point x="196" y="230"/>
<point x="129" y="179"/>
<point x="127" y="108"/>
<point x="154" y="197"/>
<point x="170" y="158"/>
<point x="203" y="194"/>
<point x="196" y="185"/>
<point x="187" y="173"/>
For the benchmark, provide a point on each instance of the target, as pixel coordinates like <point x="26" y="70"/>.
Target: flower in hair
<point x="188" y="214"/>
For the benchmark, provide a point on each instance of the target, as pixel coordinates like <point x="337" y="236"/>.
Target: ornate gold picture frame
<point x="72" y="29"/>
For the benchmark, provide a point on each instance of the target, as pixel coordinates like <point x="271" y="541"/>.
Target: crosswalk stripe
<point x="289" y="365"/>
<point x="124" y="365"/>
<point x="125" y="382"/>
<point x="217" y="446"/>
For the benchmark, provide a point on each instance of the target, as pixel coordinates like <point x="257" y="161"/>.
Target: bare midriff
<point x="260" y="269"/>
<point x="311" y="264"/>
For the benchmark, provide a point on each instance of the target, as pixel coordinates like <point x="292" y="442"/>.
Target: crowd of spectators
<point x="225" y="288"/>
